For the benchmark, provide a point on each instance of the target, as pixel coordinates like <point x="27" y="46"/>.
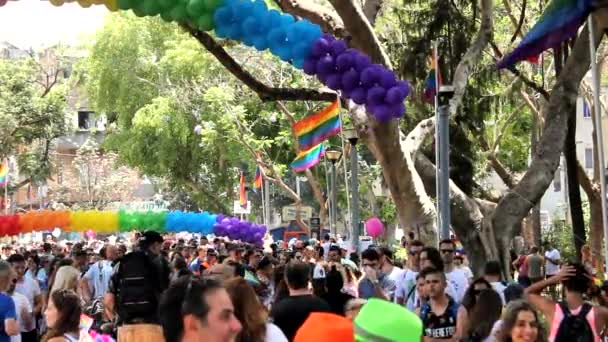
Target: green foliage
<point x="31" y="115"/>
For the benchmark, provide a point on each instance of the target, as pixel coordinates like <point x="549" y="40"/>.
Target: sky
<point x="37" y="23"/>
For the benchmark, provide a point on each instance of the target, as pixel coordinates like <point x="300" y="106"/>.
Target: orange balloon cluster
<point x="44" y="220"/>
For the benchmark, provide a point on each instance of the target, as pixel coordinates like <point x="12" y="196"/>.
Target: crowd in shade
<point x="153" y="287"/>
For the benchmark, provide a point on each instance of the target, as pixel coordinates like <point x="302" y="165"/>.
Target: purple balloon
<point x="320" y="48"/>
<point x="219" y="218"/>
<point x="375" y="95"/>
<point x="370" y="76"/>
<point x="310" y="66"/>
<point x="362" y="61"/>
<point x="405" y="86"/>
<point x="359" y="95"/>
<point x="344" y="61"/>
<point x="382" y="113"/>
<point x="387" y="79"/>
<point x="350" y="79"/>
<point x="328" y="37"/>
<point x="338" y="47"/>
<point x="325" y="65"/>
<point x="398" y="110"/>
<point x="394" y="95"/>
<point x="334" y="81"/>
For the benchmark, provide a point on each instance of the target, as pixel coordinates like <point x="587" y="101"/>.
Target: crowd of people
<point x="160" y="288"/>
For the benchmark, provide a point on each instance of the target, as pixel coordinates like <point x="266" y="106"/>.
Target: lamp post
<point x="333" y="157"/>
<point x="353" y="137"/>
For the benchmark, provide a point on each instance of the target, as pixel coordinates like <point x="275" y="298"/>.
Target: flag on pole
<point x="4" y="173"/>
<point x="316" y="128"/>
<point x="559" y="22"/>
<point x="307" y="159"/>
<point x="430" y="85"/>
<point x="257" y="182"/>
<point x="243" y="192"/>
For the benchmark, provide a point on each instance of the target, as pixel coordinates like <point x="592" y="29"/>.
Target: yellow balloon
<point x="97" y="2"/>
<point x="57" y="2"/>
<point x="84" y="3"/>
<point x="112" y="5"/>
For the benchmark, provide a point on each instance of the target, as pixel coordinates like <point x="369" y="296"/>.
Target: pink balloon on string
<point x="374" y="227"/>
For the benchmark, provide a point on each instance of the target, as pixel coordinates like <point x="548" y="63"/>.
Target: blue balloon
<point x="287" y="20"/>
<point x="259" y="8"/>
<point x="222" y="31"/>
<point x="222" y="16"/>
<point x="283" y="52"/>
<point x="260" y="42"/>
<point x="242" y="10"/>
<point x="298" y="63"/>
<point x="274" y="18"/>
<point x="235" y="32"/>
<point x="250" y="25"/>
<point x="301" y="51"/>
<point x="276" y="36"/>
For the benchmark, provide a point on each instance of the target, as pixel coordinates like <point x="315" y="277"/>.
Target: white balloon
<point x="56" y="232"/>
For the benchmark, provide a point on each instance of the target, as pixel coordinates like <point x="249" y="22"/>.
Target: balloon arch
<point x="299" y="42"/>
<point x="109" y="222"/>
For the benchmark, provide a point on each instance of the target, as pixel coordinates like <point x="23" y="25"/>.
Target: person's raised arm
<point x="545" y="305"/>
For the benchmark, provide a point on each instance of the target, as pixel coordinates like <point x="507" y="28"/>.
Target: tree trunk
<point x="596" y="231"/>
<point x="574" y="190"/>
<point x="535" y="214"/>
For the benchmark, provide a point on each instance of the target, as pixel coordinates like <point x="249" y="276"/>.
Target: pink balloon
<point x="374" y="227"/>
<point x="90" y="234"/>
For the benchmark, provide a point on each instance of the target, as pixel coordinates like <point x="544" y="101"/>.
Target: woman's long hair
<point x="248" y="309"/>
<point x="509" y="319"/>
<point x="67" y="304"/>
<point x="484" y="314"/>
<point x="469" y="299"/>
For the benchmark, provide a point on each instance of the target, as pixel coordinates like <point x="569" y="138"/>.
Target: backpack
<point x="574" y="328"/>
<point x="138" y="288"/>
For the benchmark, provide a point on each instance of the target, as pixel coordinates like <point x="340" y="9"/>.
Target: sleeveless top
<point x="439" y="326"/>
<point x="558" y="316"/>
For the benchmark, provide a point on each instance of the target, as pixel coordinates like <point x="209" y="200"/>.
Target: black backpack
<point x="138" y="288"/>
<point x="574" y="328"/>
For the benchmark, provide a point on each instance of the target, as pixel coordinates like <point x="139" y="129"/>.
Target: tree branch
<point x="371" y="8"/>
<point x="360" y="29"/>
<point x="265" y="92"/>
<point x="473" y="54"/>
<point x="328" y="19"/>
<point x="591" y="189"/>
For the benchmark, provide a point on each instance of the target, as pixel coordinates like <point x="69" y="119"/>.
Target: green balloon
<point x="211" y="5"/>
<point x="139" y="10"/>
<point x="166" y="4"/>
<point x="125" y="4"/>
<point x="205" y="22"/>
<point x="195" y="8"/>
<point x="150" y="7"/>
<point x="166" y="15"/>
<point x="178" y="13"/>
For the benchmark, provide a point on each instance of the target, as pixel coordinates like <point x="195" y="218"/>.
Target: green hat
<point x="383" y="321"/>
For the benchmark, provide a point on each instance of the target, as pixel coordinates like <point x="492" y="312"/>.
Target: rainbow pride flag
<point x="4" y="174"/>
<point x="559" y="22"/>
<point x="430" y="85"/>
<point x="257" y="182"/>
<point x="307" y="159"/>
<point x="243" y="193"/>
<point x="316" y="128"/>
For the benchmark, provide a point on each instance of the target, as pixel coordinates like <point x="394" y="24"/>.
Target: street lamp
<point x="333" y="157"/>
<point x="352" y="136"/>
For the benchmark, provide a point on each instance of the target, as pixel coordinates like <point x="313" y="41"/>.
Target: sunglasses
<point x="447" y="251"/>
<point x="414" y="252"/>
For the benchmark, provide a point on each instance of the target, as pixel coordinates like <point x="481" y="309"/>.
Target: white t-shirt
<point x="459" y="282"/>
<point x="550" y="268"/>
<point x="98" y="276"/>
<point x="393" y="279"/>
<point x="21" y="303"/>
<point x="29" y="288"/>
<point x="326" y="246"/>
<point x="274" y="334"/>
<point x="405" y="286"/>
<point x="500" y="289"/>
<point x="467" y="271"/>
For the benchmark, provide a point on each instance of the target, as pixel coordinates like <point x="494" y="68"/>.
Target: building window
<point x="589" y="158"/>
<point x="586" y="110"/>
<point x="85" y="120"/>
<point x="557" y="180"/>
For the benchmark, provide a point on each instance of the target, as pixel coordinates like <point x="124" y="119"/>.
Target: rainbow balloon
<point x="299" y="42"/>
<point x="109" y="222"/>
